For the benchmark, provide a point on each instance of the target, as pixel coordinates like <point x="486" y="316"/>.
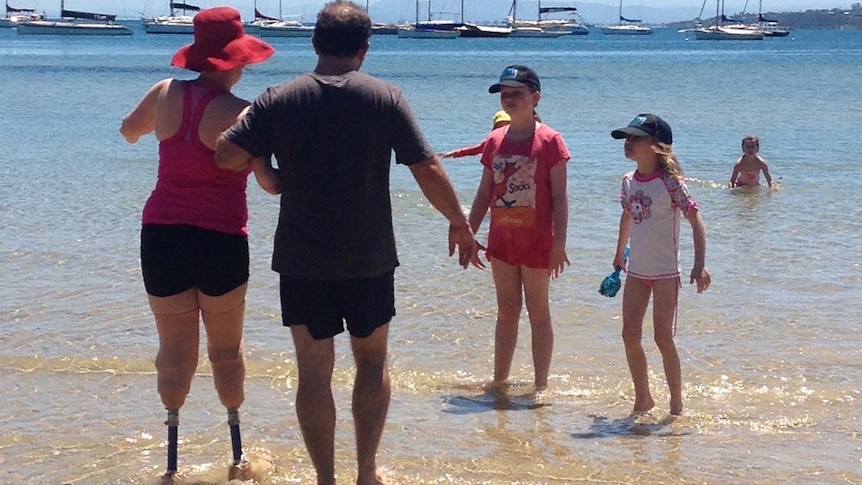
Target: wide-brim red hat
<point x="220" y="43"/>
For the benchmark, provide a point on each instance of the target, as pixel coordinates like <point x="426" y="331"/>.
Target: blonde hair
<point x="667" y="160"/>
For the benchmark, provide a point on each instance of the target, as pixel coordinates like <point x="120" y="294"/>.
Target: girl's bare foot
<point x="676" y="408"/>
<point x="643" y="405"/>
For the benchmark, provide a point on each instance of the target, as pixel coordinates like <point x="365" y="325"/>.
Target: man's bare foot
<point x="380" y="479"/>
<point x="644" y="405"/>
<point x="676" y="408"/>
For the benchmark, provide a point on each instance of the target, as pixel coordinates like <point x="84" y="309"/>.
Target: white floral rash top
<point x="654" y="203"/>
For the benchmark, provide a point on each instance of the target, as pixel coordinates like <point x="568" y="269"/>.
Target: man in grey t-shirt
<point x="332" y="132"/>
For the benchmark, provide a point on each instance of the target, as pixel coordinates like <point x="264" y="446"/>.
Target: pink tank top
<point x="191" y="189"/>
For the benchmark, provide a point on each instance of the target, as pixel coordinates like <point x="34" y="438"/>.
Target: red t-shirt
<point x="522" y="226"/>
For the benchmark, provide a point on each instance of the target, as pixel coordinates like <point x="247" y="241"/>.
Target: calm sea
<point x="771" y="354"/>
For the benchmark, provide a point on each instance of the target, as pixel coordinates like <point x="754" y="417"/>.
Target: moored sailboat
<point x="179" y="21"/>
<point x="769" y="28"/>
<point x="720" y="31"/>
<point x="465" y="29"/>
<point x="430" y="29"/>
<point x="626" y="26"/>
<point x="285" y="28"/>
<point x="260" y="20"/>
<point x="73" y="22"/>
<point x="550" y="27"/>
<point x="14" y="16"/>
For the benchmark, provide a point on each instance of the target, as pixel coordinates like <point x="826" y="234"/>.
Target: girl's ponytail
<point x="668" y="161"/>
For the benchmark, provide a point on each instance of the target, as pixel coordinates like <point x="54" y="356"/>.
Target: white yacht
<point x="74" y="23"/>
<point x="179" y="21"/>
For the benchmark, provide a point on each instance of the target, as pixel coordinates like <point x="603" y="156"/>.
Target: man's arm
<point x="231" y="156"/>
<point x="437" y="188"/>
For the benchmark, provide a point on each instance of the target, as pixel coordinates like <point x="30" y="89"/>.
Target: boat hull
<point x="70" y="28"/>
<point x="274" y="31"/>
<point x="724" y="33"/>
<point x="626" y="30"/>
<point x="473" y="30"/>
<point x="427" y="34"/>
<point x="536" y="32"/>
<point x="169" y="25"/>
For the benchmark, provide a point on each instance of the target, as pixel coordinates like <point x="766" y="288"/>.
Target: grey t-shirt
<point x="332" y="137"/>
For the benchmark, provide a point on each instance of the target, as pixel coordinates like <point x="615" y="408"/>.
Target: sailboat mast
<point x="716" y="14"/>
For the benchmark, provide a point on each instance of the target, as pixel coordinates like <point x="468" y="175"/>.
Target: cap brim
<point x="628" y="130"/>
<point x="495" y="88"/>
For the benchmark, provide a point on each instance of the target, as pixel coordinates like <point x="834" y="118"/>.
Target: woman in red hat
<point x="194" y="239"/>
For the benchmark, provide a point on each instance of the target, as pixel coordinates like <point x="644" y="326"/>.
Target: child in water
<point x="524" y="185"/>
<point x="653" y="196"/>
<point x="501" y="118"/>
<point x="746" y="170"/>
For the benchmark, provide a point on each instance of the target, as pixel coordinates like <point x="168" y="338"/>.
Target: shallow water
<point x="770" y="354"/>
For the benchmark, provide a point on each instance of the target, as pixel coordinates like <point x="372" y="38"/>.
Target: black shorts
<point x="176" y="258"/>
<point x="324" y="306"/>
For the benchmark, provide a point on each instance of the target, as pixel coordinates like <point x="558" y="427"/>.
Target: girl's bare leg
<point x="635" y="300"/>
<point x="665" y="293"/>
<point x="507" y="282"/>
<point x="536" y="285"/>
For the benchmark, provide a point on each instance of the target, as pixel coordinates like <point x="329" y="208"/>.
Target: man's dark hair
<point x="342" y="29"/>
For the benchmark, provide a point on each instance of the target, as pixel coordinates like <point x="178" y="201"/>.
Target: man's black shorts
<point x="324" y="306"/>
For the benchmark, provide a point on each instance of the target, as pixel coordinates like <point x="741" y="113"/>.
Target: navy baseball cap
<point x="646" y="124"/>
<point x="517" y="77"/>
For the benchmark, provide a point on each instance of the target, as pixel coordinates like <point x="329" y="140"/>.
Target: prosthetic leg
<point x="235" y="438"/>
<point x="173" y="422"/>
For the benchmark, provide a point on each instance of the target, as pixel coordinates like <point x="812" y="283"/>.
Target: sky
<point x="593" y="11"/>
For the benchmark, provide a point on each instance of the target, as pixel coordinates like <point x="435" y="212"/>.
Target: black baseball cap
<point x="517" y="77"/>
<point x="646" y="124"/>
